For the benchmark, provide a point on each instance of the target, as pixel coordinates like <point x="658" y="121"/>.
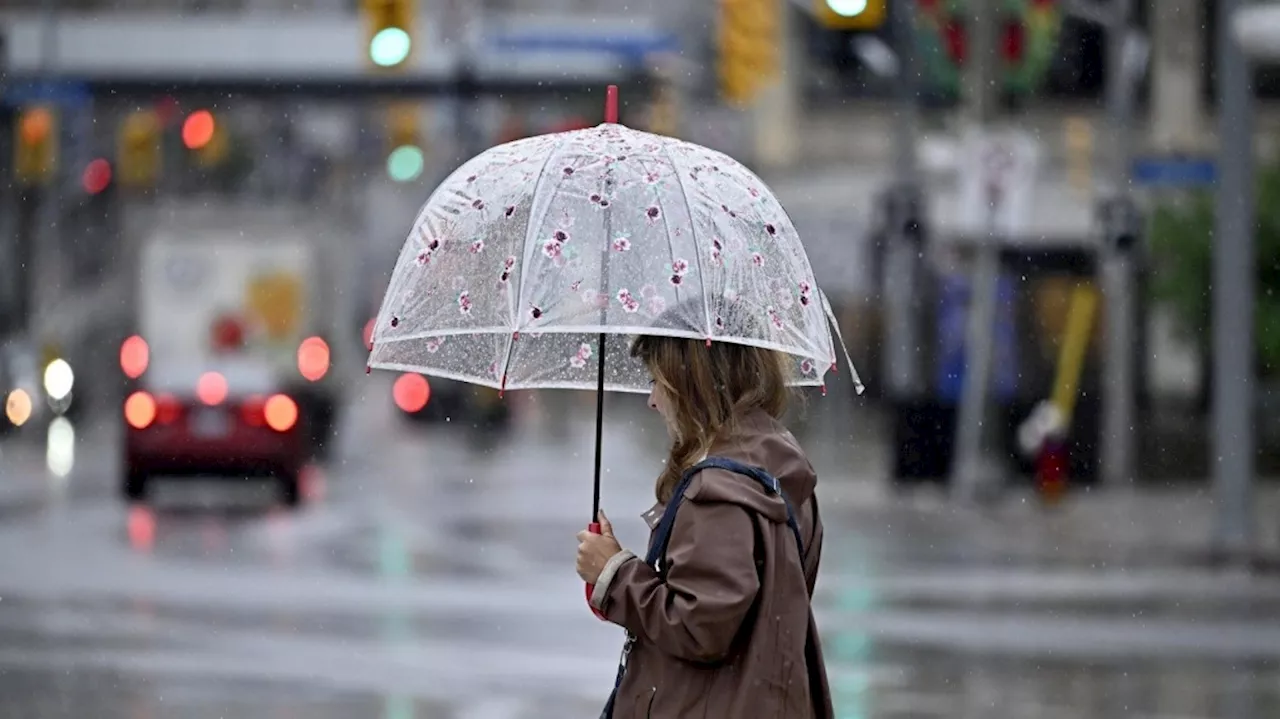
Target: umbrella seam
<point x="693" y="236"/>
<point x="529" y="254"/>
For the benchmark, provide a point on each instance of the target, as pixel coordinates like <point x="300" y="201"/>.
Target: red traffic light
<point x="197" y="129"/>
<point x="96" y="176"/>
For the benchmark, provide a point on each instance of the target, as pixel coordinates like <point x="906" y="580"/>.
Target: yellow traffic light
<point x="36" y="146"/>
<point x="390" y="31"/>
<point x="851" y="14"/>
<point x="138" y="150"/>
<point x="748" y="42"/>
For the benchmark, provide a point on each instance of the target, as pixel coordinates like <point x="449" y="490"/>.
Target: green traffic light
<point x="405" y="163"/>
<point x="389" y="47"/>
<point x="847" y="8"/>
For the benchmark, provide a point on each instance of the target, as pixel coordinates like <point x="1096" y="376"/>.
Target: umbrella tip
<point x="368" y="369"/>
<point x="611" y="104"/>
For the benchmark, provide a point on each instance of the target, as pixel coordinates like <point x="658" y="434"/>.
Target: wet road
<point x="431" y="577"/>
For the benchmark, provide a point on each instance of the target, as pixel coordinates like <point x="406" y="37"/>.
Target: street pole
<point x="903" y="213"/>
<point x="967" y="467"/>
<point x="9" y="270"/>
<point x="1233" y="292"/>
<point x="1116" y="212"/>
<point x="47" y="275"/>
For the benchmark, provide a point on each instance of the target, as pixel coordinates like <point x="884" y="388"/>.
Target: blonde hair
<point x="709" y="387"/>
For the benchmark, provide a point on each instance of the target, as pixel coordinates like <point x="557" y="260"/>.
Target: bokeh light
<point x="405" y="163"/>
<point x="96" y="176"/>
<point x="198" y="129"/>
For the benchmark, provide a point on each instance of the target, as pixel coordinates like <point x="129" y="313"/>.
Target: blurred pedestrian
<point x="718" y="615"/>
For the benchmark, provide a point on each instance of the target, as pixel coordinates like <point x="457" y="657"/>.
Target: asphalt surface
<point x="430" y="576"/>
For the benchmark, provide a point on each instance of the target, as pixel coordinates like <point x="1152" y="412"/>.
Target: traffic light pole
<point x="1119" y="224"/>
<point x="44" y="279"/>
<point x="968" y="469"/>
<point x="903" y="232"/>
<point x="1233" y="293"/>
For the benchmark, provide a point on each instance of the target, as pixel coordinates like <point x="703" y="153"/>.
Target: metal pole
<point x="903" y="251"/>
<point x="47" y="270"/>
<point x="1233" y="292"/>
<point x="967" y="465"/>
<point x="1118" y="266"/>
<point x="10" y="283"/>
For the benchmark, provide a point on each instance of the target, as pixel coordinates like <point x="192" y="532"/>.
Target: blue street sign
<point x="634" y="47"/>
<point x="1174" y="171"/>
<point x="72" y="94"/>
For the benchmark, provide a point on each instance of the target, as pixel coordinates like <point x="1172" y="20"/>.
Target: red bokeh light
<point x="411" y="392"/>
<point x="211" y="388"/>
<point x="197" y="129"/>
<point x="313" y="358"/>
<point x="135" y="356"/>
<point x="96" y="176"/>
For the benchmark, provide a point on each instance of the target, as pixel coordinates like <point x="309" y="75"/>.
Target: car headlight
<point x="58" y="380"/>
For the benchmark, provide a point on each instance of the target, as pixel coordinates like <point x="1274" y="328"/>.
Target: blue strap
<point x="662" y="534"/>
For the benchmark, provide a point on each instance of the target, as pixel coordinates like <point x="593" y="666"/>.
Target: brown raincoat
<point x="729" y="633"/>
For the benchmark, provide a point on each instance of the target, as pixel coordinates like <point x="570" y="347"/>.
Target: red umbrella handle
<point x="594" y="528"/>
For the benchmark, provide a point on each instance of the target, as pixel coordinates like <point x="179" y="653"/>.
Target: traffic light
<point x="138" y="150"/>
<point x="390" y="31"/>
<point x="96" y="177"/>
<point x="747" y="43"/>
<point x="851" y="14"/>
<point x="36" y="145"/>
<point x="405" y="160"/>
<point x="198" y="129"/>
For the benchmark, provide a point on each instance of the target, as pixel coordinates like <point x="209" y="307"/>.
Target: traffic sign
<point x="634" y="47"/>
<point x="73" y="94"/>
<point x="997" y="182"/>
<point x="1174" y="171"/>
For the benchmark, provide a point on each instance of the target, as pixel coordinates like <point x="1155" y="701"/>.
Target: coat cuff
<point x="601" y="589"/>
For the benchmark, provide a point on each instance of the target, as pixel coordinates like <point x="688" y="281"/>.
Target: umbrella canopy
<point x="530" y="252"/>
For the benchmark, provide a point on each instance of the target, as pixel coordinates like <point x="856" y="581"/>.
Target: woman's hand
<point x="595" y="550"/>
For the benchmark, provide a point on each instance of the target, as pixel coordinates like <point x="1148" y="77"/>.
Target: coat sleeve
<point x="711" y="585"/>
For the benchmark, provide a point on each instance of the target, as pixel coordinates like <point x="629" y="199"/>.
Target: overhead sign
<point x="635" y="47"/>
<point x="1174" y="172"/>
<point x="66" y="94"/>
<point x="998" y="177"/>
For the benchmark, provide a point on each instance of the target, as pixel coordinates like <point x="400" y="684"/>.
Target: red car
<point x="227" y="420"/>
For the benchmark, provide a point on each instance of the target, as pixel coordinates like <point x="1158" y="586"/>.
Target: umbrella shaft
<point x="595" y="499"/>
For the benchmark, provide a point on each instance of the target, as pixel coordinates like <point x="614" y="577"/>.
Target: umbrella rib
<point x="693" y="237"/>
<point x="527" y="250"/>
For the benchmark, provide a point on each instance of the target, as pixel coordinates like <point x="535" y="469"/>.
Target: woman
<point x="724" y="628"/>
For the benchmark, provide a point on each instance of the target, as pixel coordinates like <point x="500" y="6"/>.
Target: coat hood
<point x="760" y="441"/>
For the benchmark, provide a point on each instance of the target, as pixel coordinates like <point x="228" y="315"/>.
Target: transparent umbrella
<point x="528" y="259"/>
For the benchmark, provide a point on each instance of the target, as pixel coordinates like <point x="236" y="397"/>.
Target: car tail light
<point x="281" y="413"/>
<point x="411" y="392"/>
<point x="211" y="388"/>
<point x="313" y="358"/>
<point x="135" y="357"/>
<point x="168" y="409"/>
<point x="140" y="410"/>
<point x="254" y="411"/>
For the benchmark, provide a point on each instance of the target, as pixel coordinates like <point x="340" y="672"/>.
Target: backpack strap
<point x="662" y="533"/>
<point x="662" y="536"/>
